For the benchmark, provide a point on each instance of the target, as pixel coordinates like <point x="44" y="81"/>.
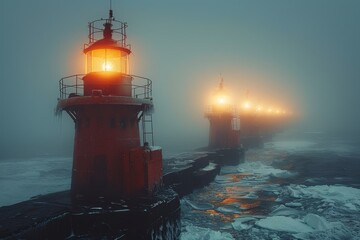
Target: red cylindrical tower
<point x="107" y="105"/>
<point x="224" y="124"/>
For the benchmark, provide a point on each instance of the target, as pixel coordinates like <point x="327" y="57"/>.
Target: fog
<point x="302" y="55"/>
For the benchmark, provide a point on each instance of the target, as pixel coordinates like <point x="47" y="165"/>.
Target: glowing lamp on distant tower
<point x="224" y="126"/>
<point x="247" y="105"/>
<point x="259" y="108"/>
<point x="221" y="100"/>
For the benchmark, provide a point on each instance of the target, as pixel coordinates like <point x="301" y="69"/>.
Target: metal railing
<point x="96" y="29"/>
<point x="141" y="87"/>
<point x="73" y="86"/>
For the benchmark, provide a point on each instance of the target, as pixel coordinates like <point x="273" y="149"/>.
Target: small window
<point x="123" y="123"/>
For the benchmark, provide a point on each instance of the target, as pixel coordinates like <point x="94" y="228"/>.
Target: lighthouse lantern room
<point x="224" y="129"/>
<point x="107" y="104"/>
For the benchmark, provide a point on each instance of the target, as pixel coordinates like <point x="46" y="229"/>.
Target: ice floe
<point x="343" y="196"/>
<point x="317" y="222"/>
<point x="243" y="223"/>
<point x="285" y="211"/>
<point x="228" y="209"/>
<point x="192" y="232"/>
<point x="199" y="206"/>
<point x="312" y="226"/>
<point x="251" y="195"/>
<point x="261" y="169"/>
<point x="322" y="229"/>
<point x="293" y="204"/>
<point x="285" y="224"/>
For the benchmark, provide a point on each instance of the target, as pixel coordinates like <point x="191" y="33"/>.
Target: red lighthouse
<point x="107" y="105"/>
<point x="224" y="126"/>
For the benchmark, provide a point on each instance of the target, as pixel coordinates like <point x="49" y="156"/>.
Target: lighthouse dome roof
<point x="107" y="43"/>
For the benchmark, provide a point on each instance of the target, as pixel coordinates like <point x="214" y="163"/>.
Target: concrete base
<point x="185" y="176"/>
<point x="53" y="216"/>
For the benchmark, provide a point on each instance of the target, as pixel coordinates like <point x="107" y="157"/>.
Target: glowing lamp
<point x="259" y="108"/>
<point x="221" y="100"/>
<point x="247" y="105"/>
<point x="107" y="54"/>
<point x="107" y="60"/>
<point x="107" y="66"/>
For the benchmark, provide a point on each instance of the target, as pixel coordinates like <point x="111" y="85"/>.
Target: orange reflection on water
<point x="237" y="177"/>
<point x="249" y="205"/>
<point x="223" y="217"/>
<point x="229" y="200"/>
<point x="236" y="190"/>
<point x="219" y="194"/>
<point x="212" y="212"/>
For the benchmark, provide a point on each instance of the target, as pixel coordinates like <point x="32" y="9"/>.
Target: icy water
<point x="21" y="179"/>
<point x="290" y="189"/>
<point x="303" y="188"/>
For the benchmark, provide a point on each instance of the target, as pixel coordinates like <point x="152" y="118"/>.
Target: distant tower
<point x="107" y="105"/>
<point x="224" y="126"/>
<point x="249" y="118"/>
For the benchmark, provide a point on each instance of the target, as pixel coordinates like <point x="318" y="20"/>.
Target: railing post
<point x="146" y="89"/>
<point x="76" y="85"/>
<point x="63" y="89"/>
<point x="90" y="40"/>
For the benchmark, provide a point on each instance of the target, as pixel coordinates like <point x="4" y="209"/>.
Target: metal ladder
<point x="147" y="127"/>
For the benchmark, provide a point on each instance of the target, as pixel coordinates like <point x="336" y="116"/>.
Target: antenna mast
<point x="110" y="11"/>
<point x="221" y="82"/>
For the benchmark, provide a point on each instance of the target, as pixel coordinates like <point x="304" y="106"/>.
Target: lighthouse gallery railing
<point x="74" y="86"/>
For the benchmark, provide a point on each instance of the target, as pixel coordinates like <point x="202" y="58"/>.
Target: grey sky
<point x="303" y="55"/>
